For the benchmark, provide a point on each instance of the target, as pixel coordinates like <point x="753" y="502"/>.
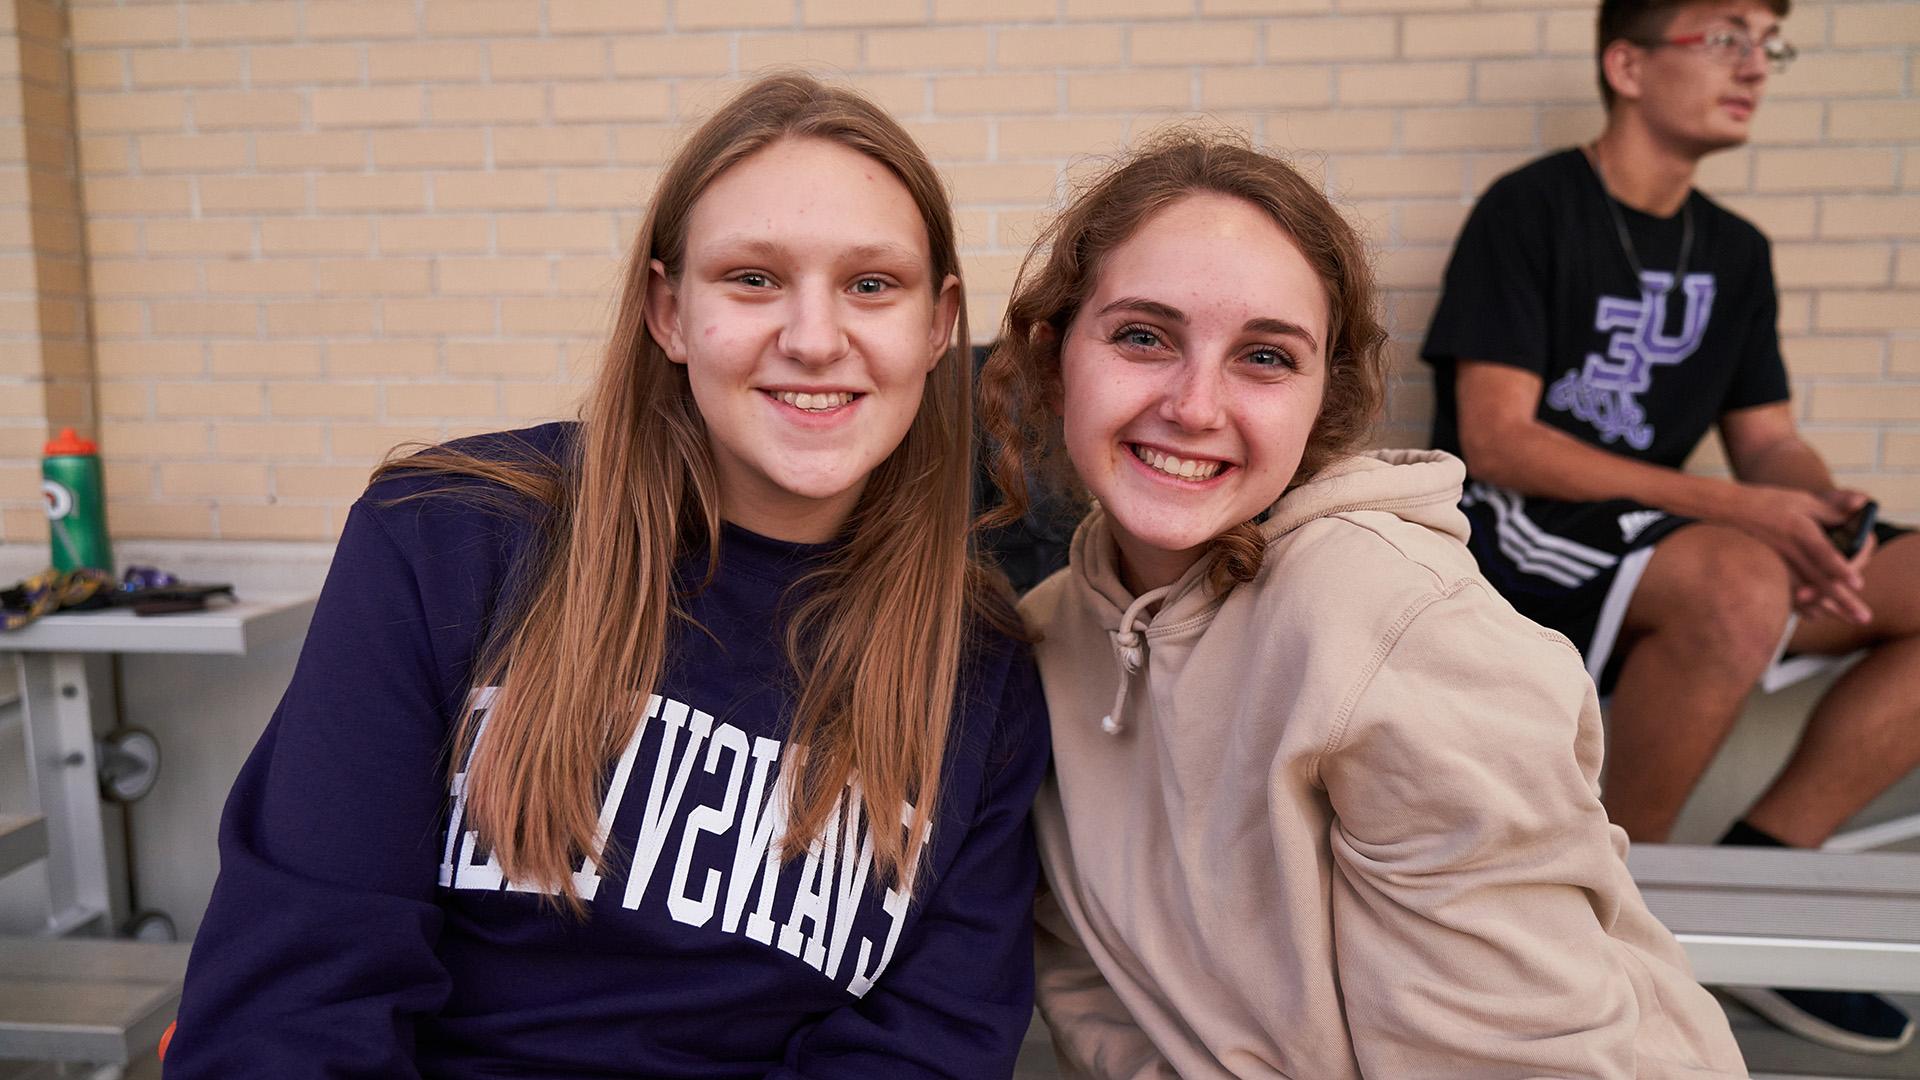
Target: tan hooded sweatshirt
<point x="1341" y="822"/>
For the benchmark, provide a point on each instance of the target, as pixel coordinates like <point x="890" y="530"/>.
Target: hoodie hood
<point x="1421" y="487"/>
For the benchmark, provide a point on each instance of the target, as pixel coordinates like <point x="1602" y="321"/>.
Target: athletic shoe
<point x="1842" y="1019"/>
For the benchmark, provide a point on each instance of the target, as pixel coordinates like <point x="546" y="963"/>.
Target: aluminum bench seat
<point x="1769" y="917"/>
<point x="86" y="1000"/>
<point x="23" y="840"/>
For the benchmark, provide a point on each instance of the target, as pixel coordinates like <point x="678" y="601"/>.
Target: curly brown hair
<point x="1020" y="382"/>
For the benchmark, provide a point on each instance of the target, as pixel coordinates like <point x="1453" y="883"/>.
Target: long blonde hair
<point x="877" y="642"/>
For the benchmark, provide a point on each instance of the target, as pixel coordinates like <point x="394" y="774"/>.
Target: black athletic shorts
<point x="1573" y="566"/>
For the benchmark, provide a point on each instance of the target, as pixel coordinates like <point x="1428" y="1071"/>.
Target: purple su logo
<point x="1605" y="393"/>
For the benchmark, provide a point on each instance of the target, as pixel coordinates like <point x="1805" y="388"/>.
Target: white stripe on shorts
<point x="1613" y="611"/>
<point x="1564" y="562"/>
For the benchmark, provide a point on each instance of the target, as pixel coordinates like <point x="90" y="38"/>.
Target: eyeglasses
<point x="1732" y="47"/>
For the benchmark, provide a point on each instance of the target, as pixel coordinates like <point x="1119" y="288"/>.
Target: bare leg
<point x="1701" y="627"/>
<point x="1865" y="733"/>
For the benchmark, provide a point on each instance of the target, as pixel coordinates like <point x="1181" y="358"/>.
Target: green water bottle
<point x="76" y="503"/>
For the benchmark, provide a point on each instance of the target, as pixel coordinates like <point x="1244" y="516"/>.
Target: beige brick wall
<point x="316" y="228"/>
<point x="46" y="365"/>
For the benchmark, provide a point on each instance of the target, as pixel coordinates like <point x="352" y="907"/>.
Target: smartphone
<point x="1851" y="535"/>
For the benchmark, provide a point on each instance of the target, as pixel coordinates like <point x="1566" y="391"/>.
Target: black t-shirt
<point x="1541" y="281"/>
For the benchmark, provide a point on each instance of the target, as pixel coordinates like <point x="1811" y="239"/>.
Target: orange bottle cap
<point x="70" y="444"/>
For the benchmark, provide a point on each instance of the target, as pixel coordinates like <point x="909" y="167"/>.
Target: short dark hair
<point x="1641" y="21"/>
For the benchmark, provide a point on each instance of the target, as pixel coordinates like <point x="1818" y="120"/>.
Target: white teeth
<point x="1184" y="468"/>
<point x="815" y="402"/>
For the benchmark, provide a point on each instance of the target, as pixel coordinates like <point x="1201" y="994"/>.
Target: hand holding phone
<point x="1850" y="536"/>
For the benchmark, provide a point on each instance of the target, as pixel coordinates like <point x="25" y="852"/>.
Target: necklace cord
<point x="1592" y="152"/>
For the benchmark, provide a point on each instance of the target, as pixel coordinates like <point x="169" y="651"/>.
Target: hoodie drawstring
<point x="1130" y="649"/>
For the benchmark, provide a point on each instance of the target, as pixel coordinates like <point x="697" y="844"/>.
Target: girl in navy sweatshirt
<point x="683" y="741"/>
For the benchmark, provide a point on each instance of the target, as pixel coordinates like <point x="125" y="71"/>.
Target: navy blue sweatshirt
<point x="357" y="929"/>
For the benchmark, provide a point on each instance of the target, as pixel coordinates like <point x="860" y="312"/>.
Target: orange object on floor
<point x="165" y="1038"/>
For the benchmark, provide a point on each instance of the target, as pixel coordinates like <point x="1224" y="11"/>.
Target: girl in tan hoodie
<point x="1324" y="805"/>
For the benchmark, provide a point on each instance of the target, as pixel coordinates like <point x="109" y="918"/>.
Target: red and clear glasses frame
<point x="1732" y="47"/>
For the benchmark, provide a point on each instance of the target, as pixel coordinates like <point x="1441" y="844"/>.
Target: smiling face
<point x="1693" y="99"/>
<point x="808" y="318"/>
<point x="1191" y="379"/>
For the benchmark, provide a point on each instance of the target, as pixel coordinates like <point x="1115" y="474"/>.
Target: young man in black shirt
<point x="1599" y="316"/>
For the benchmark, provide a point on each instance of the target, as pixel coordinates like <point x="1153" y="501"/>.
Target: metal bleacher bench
<point x="1818" y="920"/>
<point x="86" y="999"/>
<point x="66" y="995"/>
<point x="79" y="1000"/>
